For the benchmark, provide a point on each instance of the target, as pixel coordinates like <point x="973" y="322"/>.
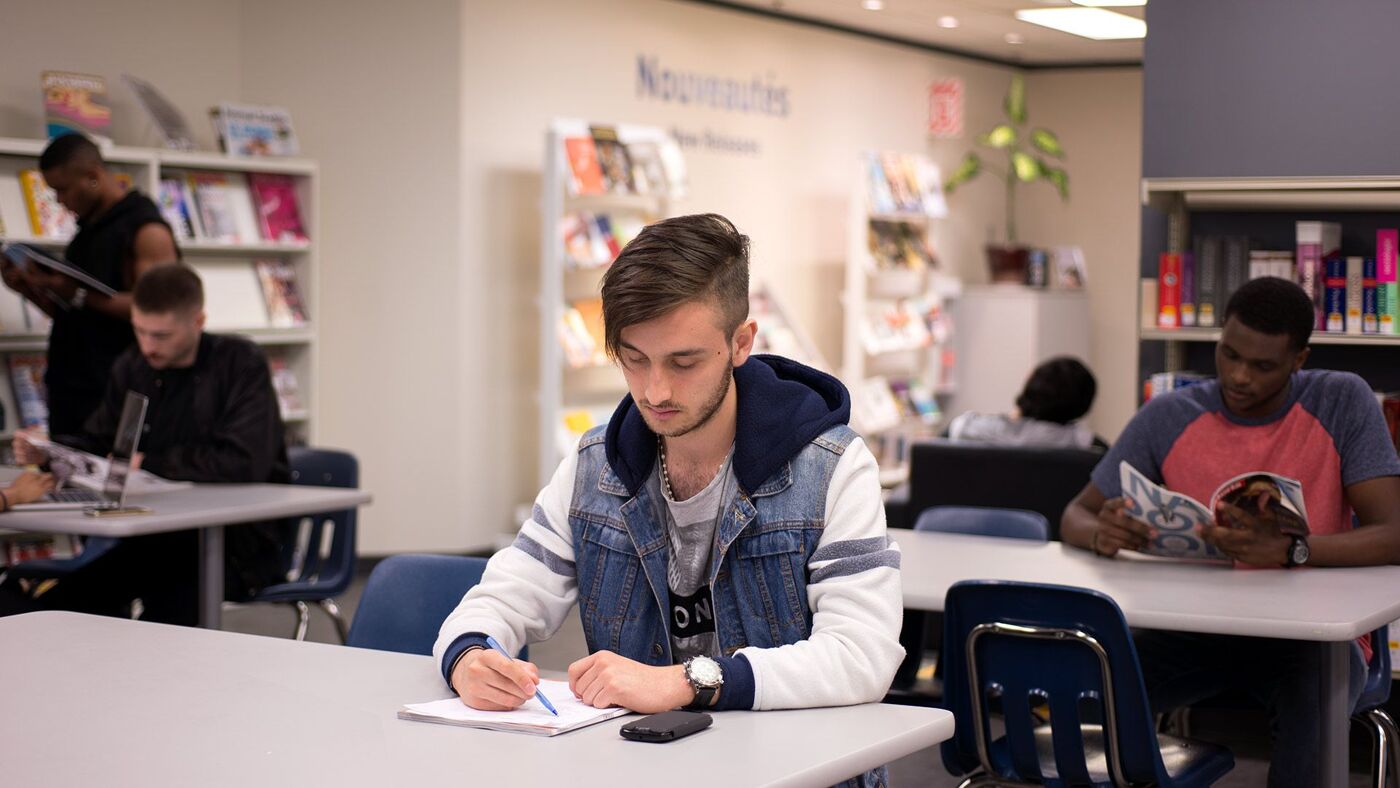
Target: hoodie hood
<point x="782" y="406"/>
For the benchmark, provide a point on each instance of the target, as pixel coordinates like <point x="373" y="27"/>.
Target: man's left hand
<point x="604" y="679"/>
<point x="1248" y="537"/>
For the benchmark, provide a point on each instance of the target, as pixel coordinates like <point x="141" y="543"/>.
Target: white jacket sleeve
<point x="529" y="587"/>
<point x="856" y="600"/>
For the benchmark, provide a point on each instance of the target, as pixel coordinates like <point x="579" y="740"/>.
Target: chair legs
<point x="1386" y="739"/>
<point x="304" y="618"/>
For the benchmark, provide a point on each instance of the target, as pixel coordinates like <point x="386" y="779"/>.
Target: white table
<point x="207" y="507"/>
<point x="99" y="701"/>
<point x="1330" y="606"/>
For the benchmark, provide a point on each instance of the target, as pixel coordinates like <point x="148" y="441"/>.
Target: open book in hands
<point x="1178" y="518"/>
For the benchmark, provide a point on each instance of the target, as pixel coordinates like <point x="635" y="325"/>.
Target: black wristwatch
<point x="705" y="677"/>
<point x="1298" y="552"/>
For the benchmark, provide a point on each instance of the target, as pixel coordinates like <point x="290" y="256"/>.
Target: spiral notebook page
<point x="531" y="717"/>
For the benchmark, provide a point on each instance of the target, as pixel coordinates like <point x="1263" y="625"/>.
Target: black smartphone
<point x="666" y="726"/>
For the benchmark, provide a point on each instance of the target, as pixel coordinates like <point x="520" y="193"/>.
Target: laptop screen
<point x="129" y="429"/>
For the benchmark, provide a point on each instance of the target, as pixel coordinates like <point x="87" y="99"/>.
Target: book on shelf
<point x="605" y="233"/>
<point x="47" y="218"/>
<point x="1315" y="242"/>
<point x="233" y="295"/>
<point x="1071" y="272"/>
<point x="285" y="307"/>
<point x="895" y="245"/>
<point x="1187" y="311"/>
<point x="1369" y="302"/>
<point x="175" y="199"/>
<point x="648" y="171"/>
<point x="614" y="160"/>
<point x="873" y="406"/>
<point x="579" y="251"/>
<point x="225" y="207"/>
<point x="286" y="386"/>
<point x="1208" y="253"/>
<point x="76" y="103"/>
<point x="174" y="131"/>
<point x="1355" y="268"/>
<point x="915" y="400"/>
<point x="1162" y="382"/>
<point x="904" y="183"/>
<point x="246" y="130"/>
<point x="1169" y="290"/>
<point x="1178" y="518"/>
<point x="586" y="173"/>
<point x="581" y="334"/>
<point x="1334" y="285"/>
<point x="279" y="215"/>
<point x="27" y="377"/>
<point x="673" y="161"/>
<point x="894" y="327"/>
<point x="1387" y="297"/>
<point x="1235" y="266"/>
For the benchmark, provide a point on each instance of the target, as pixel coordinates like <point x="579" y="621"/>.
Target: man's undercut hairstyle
<point x="71" y="148"/>
<point x="1274" y="306"/>
<point x="168" y="288"/>
<point x="1060" y="390"/>
<point x="673" y="262"/>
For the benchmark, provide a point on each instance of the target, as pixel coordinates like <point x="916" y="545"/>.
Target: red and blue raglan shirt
<point x="1329" y="435"/>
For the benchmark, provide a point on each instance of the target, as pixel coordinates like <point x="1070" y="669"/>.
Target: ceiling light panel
<point x="1094" y="23"/>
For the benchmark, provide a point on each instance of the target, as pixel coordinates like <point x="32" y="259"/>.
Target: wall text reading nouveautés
<point x="759" y="94"/>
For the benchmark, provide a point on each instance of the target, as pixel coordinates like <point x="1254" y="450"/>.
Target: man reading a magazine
<point x="121" y="234"/>
<point x="1262" y="413"/>
<point x="213" y="417"/>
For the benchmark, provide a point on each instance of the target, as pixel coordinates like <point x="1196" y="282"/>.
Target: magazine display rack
<point x="895" y="358"/>
<point x="262" y="285"/>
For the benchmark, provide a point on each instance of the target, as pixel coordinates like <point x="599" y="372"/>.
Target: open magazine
<point x="22" y="254"/>
<point x="1178" y="518"/>
<point x="74" y="468"/>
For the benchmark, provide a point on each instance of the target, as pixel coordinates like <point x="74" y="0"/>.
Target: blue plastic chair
<point x="408" y="597"/>
<point x="1025" y="647"/>
<point x="985" y="521"/>
<point x="1385" y="738"/>
<point x="319" y="577"/>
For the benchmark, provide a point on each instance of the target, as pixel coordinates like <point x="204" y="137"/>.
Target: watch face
<point x="705" y="672"/>
<point x="1300" y="552"/>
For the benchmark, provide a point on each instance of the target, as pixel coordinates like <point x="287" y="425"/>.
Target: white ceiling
<point x="982" y="29"/>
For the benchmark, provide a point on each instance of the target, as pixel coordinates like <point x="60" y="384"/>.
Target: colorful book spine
<point x="1316" y="241"/>
<point x="1169" y="290"/>
<point x="1387" y="308"/>
<point x="1354" y="270"/>
<point x="1188" y="289"/>
<point x="1335" y="293"/>
<point x="1208" y="281"/>
<point x="1370" y="323"/>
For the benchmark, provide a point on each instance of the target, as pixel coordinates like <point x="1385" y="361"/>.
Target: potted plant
<point x="1028" y="154"/>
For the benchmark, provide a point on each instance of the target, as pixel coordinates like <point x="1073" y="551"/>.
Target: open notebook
<point x="531" y="717"/>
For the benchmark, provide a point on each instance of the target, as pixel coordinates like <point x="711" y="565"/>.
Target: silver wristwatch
<point x="79" y="298"/>
<point x="705" y="677"/>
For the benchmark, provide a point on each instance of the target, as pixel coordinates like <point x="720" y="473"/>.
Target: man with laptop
<point x="212" y="417"/>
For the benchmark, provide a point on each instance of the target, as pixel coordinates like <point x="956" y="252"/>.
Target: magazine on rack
<point x="1178" y="518"/>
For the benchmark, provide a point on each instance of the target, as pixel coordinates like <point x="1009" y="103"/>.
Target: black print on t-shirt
<point x="692" y="615"/>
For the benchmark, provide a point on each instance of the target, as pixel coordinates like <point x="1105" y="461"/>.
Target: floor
<point x="1242" y="732"/>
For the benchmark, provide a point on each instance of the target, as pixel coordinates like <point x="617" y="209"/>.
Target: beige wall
<point x="1098" y="115"/>
<point x="428" y="121"/>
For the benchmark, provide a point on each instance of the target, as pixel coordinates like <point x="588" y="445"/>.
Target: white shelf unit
<point x="1177" y="198"/>
<point x="871" y="288"/>
<point x="218" y="263"/>
<point x="595" y="389"/>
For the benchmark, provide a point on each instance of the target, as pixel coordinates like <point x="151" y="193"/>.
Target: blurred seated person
<point x="213" y="417"/>
<point x="1056" y="395"/>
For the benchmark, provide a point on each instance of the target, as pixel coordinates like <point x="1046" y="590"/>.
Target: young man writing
<point x="212" y="417"/>
<point x="723" y="536"/>
<point x="120" y="236"/>
<point x="1262" y="413"/>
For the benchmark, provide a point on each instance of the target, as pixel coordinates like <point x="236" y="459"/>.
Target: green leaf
<point x="1027" y="168"/>
<point x="966" y="171"/>
<point x="1058" y="177"/>
<point x="1003" y="136"/>
<point x="1016" y="100"/>
<point x="1046" y="142"/>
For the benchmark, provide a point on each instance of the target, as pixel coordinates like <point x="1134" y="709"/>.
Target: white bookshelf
<point x="565" y="389"/>
<point x="217" y="262"/>
<point x="1177" y="198"/>
<point x="871" y="289"/>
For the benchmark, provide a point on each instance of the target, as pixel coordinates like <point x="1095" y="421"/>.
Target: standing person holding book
<point x="120" y="236"/>
<point x="723" y="536"/>
<point x="1263" y="413"/>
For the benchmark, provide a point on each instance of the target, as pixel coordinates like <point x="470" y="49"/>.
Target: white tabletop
<point x="98" y="701"/>
<point x="1323" y="604"/>
<point x="193" y="507"/>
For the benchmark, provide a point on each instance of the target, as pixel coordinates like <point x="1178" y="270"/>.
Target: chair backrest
<point x="1377" y="689"/>
<point x="1024" y="645"/>
<point x="954" y="473"/>
<point x="408" y="597"/>
<point x="334" y="568"/>
<point x="985" y="521"/>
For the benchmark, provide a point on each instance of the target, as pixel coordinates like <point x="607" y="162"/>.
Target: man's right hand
<point x="1117" y="531"/>
<point x="491" y="681"/>
<point x="29" y="487"/>
<point x="27" y="453"/>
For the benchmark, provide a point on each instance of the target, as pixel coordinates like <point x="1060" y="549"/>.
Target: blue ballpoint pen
<point x="490" y="641"/>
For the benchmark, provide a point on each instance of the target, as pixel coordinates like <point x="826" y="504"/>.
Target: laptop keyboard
<point x="76" y="495"/>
